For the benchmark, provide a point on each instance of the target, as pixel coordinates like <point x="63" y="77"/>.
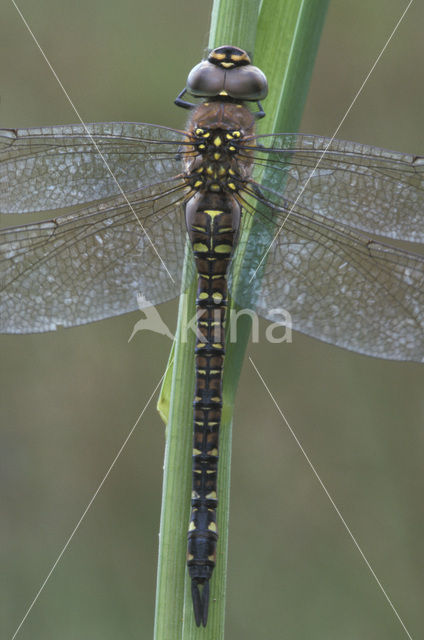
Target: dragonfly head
<point x="227" y="73"/>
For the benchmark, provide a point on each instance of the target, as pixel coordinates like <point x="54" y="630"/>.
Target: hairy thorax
<point x="217" y="159"/>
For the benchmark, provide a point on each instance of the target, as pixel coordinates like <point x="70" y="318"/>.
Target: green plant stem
<point x="286" y="43"/>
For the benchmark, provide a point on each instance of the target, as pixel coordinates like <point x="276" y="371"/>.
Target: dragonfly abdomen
<point x="212" y="224"/>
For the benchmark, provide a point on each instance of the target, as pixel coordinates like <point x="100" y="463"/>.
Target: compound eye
<point x="205" y="80"/>
<point x="227" y="72"/>
<point x="247" y="83"/>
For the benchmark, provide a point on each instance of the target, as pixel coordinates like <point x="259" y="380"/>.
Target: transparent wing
<point x="337" y="284"/>
<point x="367" y="188"/>
<point x="91" y="263"/>
<point x="56" y="167"/>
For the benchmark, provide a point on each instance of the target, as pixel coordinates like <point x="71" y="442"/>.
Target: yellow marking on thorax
<point x="211" y="496"/>
<point x="212" y="526"/>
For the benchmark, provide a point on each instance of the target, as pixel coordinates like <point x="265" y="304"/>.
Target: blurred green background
<point x="68" y="399"/>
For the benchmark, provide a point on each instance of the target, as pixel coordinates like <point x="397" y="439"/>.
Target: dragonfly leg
<point x="261" y="113"/>
<point x="183" y="103"/>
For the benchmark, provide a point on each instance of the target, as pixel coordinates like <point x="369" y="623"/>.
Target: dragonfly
<point x="330" y="230"/>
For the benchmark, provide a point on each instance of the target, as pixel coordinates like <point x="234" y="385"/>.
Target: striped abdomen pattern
<point x="212" y="223"/>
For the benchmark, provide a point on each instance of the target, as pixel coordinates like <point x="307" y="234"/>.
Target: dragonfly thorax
<point x="215" y="166"/>
<point x="213" y="161"/>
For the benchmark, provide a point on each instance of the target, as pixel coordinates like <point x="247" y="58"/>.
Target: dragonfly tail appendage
<point x="200" y="601"/>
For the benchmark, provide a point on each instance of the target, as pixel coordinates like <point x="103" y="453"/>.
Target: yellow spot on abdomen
<point x="200" y="247"/>
<point x="223" y="248"/>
